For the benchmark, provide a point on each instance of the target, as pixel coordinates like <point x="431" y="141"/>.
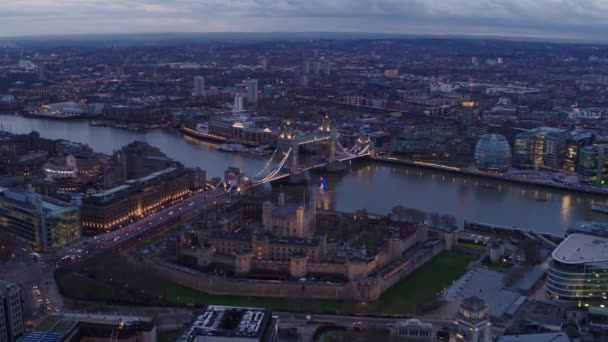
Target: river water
<point x="375" y="186"/>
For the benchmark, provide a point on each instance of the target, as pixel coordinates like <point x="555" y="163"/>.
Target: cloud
<point x="549" y="18"/>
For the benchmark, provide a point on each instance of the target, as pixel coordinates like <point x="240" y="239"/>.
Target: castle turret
<point x="298" y="266"/>
<point x="204" y="256"/>
<point x="242" y="262"/>
<point x="267" y="209"/>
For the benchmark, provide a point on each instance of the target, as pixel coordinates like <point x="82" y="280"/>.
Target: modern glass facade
<point x="41" y="221"/>
<point x="580" y="281"/>
<point x="593" y="164"/>
<point x="493" y="153"/>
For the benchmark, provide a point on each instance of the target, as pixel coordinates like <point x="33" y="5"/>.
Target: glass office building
<point x="579" y="269"/>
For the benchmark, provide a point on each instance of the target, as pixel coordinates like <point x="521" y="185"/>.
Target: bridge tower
<point x="287" y="140"/>
<point x="327" y="125"/>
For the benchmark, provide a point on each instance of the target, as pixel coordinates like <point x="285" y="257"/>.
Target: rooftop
<point x="582" y="248"/>
<point x="228" y="321"/>
<point x="544" y="337"/>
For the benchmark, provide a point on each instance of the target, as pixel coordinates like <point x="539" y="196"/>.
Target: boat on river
<point x="591" y="228"/>
<point x="600" y="207"/>
<point x="233" y="148"/>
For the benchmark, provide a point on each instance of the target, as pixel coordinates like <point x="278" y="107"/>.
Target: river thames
<point x="374" y="186"/>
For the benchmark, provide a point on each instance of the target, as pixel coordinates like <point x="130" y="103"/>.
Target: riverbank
<point x="498" y="177"/>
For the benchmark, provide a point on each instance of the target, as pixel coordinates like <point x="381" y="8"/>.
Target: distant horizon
<point x="314" y="34"/>
<point x="564" y="20"/>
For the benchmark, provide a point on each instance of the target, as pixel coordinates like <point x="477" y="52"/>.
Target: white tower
<point x="238" y="103"/>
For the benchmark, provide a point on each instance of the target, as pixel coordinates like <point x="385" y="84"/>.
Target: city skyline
<point x="546" y="19"/>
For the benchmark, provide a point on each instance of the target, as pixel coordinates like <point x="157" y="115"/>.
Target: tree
<point x="531" y="251"/>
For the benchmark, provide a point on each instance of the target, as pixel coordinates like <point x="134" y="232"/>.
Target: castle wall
<point x="363" y="289"/>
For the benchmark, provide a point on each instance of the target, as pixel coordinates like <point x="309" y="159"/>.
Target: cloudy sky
<point x="570" y="19"/>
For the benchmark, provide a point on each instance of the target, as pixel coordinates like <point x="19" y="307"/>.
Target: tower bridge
<point x="286" y="161"/>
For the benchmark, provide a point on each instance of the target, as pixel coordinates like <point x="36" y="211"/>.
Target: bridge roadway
<point x="308" y="167"/>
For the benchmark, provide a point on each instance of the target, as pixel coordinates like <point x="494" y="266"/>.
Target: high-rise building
<point x="11" y="312"/>
<point x="252" y="91"/>
<point x="199" y="86"/>
<point x="268" y="91"/>
<point x="42" y="221"/>
<point x="306" y="67"/>
<point x="317" y="68"/>
<point x="238" y="103"/>
<point x="264" y="64"/>
<point x="328" y="68"/>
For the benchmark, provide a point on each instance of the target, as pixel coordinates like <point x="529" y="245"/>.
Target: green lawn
<point x="438" y="274"/>
<point x="169" y="336"/>
<point x="369" y="240"/>
<point x="402" y="298"/>
<point x="471" y="245"/>
<point x="496" y="265"/>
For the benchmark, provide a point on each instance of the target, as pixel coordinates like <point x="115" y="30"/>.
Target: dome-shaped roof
<point x="493" y="153"/>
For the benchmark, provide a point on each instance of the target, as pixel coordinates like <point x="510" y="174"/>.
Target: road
<point x="150" y="224"/>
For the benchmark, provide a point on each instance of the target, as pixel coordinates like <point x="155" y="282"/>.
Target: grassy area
<point x="411" y="293"/>
<point x="471" y="245"/>
<point x="169" y="336"/>
<point x="54" y="324"/>
<point x="369" y="240"/>
<point x="48" y="323"/>
<point x="128" y="285"/>
<point x="356" y="336"/>
<point x="183" y="295"/>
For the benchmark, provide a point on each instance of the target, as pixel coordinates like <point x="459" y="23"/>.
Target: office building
<point x="252" y="91"/>
<point x="136" y="198"/>
<point x="472" y="321"/>
<point x="578" y="270"/>
<point x="574" y="144"/>
<point x="593" y="164"/>
<point x="42" y="221"/>
<point x="493" y="153"/>
<point x="542" y="147"/>
<point x="229" y="323"/>
<point x="11" y="312"/>
<point x="199" y="87"/>
<point x="135" y="160"/>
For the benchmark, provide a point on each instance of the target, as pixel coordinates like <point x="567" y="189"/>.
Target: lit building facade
<point x="542" y="147"/>
<point x="593" y="164"/>
<point x="493" y="153"/>
<point x="11" y="312"/>
<point x="134" y="199"/>
<point x="579" y="269"/>
<point x="42" y="221"/>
